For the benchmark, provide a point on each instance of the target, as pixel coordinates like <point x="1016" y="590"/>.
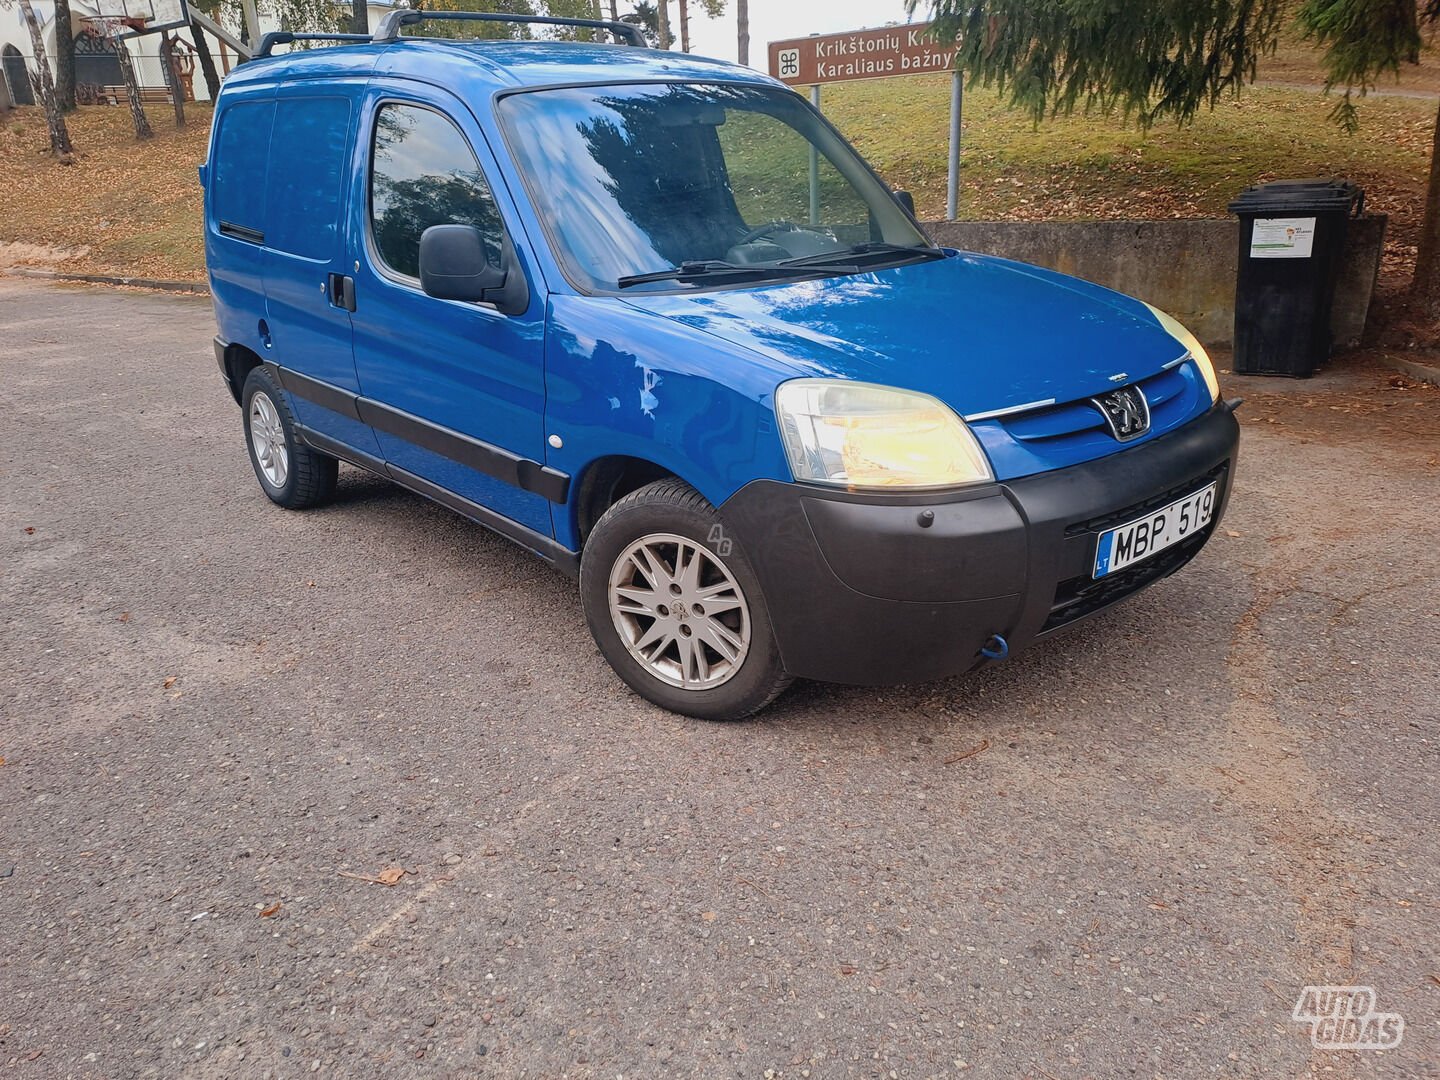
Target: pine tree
<point x="1154" y="59"/>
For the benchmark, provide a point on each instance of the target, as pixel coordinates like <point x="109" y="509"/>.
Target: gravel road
<point x="1121" y="854"/>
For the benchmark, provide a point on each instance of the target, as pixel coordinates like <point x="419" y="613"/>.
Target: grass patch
<point x="135" y="209"/>
<point x="1098" y="167"/>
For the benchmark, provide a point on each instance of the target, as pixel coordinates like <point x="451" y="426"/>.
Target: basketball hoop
<point x="113" y="26"/>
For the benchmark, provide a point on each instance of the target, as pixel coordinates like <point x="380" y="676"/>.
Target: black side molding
<point x="321" y="393"/>
<point x="242" y="232"/>
<point x="483" y="457"/>
<point x="553" y="552"/>
<point x="480" y="456"/>
<point x="345" y="452"/>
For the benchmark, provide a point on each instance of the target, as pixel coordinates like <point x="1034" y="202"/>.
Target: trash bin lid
<point x="1281" y="198"/>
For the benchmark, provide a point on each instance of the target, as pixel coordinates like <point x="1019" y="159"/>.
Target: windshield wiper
<point x="840" y="261"/>
<point x="694" y="271"/>
<point x="849" y="254"/>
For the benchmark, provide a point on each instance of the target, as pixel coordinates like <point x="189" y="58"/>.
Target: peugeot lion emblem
<point x="1126" y="411"/>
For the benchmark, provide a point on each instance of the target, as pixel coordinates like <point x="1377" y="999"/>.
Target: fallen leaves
<point x="707" y="916"/>
<point x="953" y="758"/>
<point x="105" y="235"/>
<point x="169" y="681"/>
<point x="388" y="876"/>
<point x="29" y="530"/>
<point x="271" y="911"/>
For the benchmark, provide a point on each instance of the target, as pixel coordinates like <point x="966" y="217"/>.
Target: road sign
<point x="882" y="53"/>
<point x="907" y="49"/>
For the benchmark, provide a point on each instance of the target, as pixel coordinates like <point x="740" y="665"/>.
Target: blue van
<point x="650" y="316"/>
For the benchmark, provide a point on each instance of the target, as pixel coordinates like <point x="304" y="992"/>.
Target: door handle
<point x="342" y="291"/>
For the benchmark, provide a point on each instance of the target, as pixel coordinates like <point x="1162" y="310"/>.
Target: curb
<point x="102" y="279"/>
<point x="1423" y="372"/>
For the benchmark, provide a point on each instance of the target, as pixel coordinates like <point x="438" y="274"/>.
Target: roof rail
<point x="285" y="37"/>
<point x="389" y="28"/>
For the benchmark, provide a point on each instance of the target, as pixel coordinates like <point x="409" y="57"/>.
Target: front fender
<point x="621" y="381"/>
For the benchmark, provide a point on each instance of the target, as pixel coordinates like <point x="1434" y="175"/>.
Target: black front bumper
<point x="887" y="589"/>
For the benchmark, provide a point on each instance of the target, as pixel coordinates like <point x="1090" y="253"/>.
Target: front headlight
<point x="1192" y="343"/>
<point x="861" y="435"/>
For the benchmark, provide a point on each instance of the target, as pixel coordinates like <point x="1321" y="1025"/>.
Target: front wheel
<point x="675" y="607"/>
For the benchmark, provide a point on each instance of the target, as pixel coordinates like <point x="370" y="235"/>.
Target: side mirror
<point x="453" y="265"/>
<point x="906" y="200"/>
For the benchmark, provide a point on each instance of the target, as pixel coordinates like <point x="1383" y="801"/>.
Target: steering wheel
<point x="765" y="230"/>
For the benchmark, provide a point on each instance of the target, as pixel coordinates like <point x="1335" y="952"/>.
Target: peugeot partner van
<point x="651" y="317"/>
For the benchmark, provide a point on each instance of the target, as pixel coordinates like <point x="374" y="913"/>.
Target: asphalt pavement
<point x="1121" y="854"/>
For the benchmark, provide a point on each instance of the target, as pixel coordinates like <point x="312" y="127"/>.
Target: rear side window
<point x="307" y="175"/>
<point x="424" y="173"/>
<point x="241" y="149"/>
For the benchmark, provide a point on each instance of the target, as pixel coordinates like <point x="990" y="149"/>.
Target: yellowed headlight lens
<point x="1177" y="330"/>
<point x="864" y="435"/>
<point x="918" y="449"/>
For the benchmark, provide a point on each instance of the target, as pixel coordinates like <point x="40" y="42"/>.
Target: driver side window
<point x="424" y="173"/>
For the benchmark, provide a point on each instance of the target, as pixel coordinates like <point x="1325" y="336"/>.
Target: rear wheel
<point x="290" y="473"/>
<point x="676" y="608"/>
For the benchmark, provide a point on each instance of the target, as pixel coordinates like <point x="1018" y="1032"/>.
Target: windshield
<point x="698" y="185"/>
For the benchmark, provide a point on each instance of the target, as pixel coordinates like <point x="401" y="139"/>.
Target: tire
<point x="290" y="473"/>
<point x="716" y="665"/>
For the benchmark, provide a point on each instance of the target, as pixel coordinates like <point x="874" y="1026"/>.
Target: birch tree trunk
<point x="143" y="130"/>
<point x="54" y="120"/>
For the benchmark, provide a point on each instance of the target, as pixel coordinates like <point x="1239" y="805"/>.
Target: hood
<point x="980" y="333"/>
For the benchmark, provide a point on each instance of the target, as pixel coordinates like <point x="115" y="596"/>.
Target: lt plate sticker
<point x="1153" y="533"/>
<point x="1282" y="238"/>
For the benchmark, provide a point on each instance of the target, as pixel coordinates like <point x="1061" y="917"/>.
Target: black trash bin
<point x="1292" y="234"/>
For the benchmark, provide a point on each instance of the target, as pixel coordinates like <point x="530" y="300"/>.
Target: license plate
<point x="1127" y="544"/>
